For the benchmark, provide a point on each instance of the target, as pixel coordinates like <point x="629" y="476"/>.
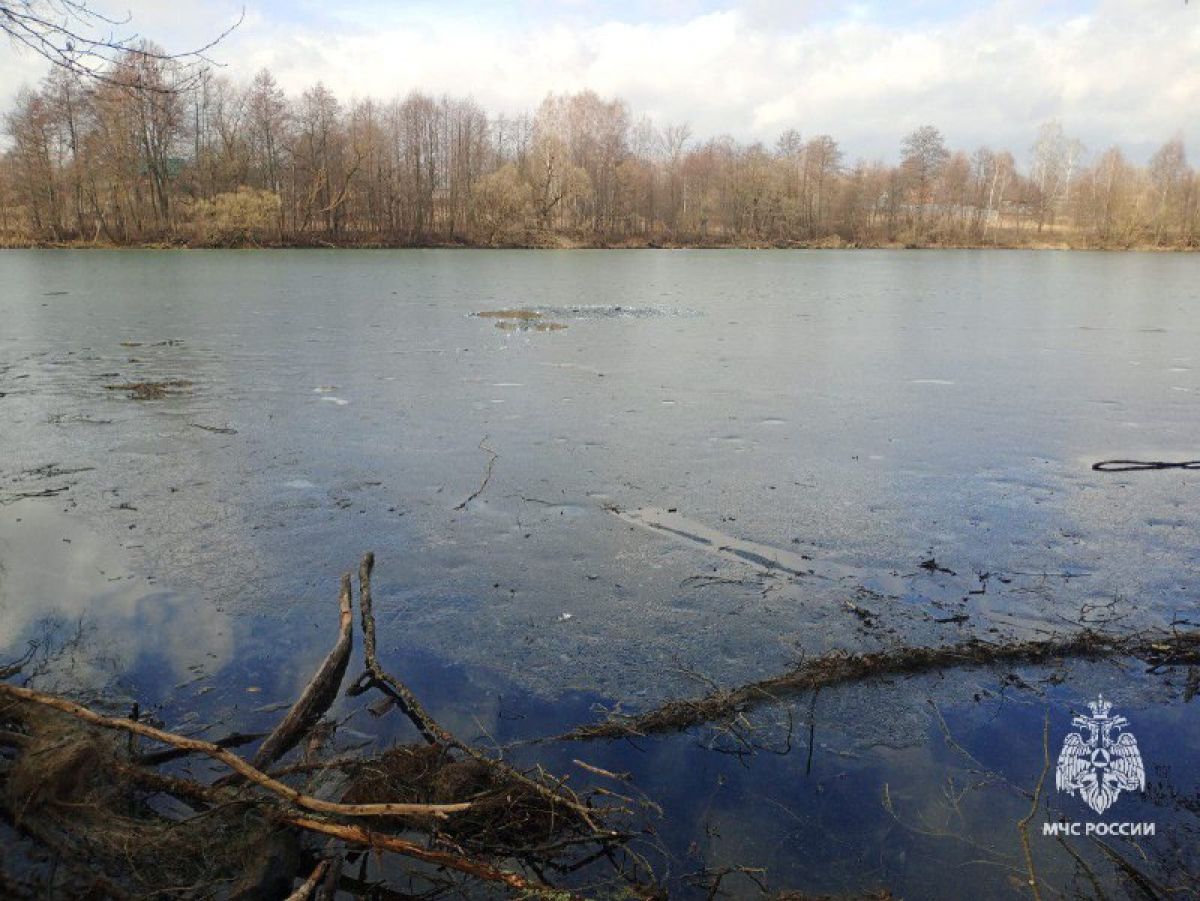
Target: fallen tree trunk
<point x="839" y="667"/>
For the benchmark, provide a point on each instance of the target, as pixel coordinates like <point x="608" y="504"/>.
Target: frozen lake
<point x="635" y="472"/>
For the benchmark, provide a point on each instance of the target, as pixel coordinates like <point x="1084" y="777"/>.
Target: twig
<point x="236" y="740"/>
<point x="429" y="728"/>
<point x="1149" y="889"/>
<point x="27" y="495"/>
<point x="607" y="774"/>
<point x="310" y="884"/>
<point x="487" y="475"/>
<point x="1023" y="824"/>
<point x="11" y="669"/>
<point x="1143" y="465"/>
<point x="381" y="842"/>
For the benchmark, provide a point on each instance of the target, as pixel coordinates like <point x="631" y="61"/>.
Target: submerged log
<point x="840" y="667"/>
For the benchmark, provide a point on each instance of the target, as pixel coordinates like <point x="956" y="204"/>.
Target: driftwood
<point x="839" y="667"/>
<point x="70" y="784"/>
<point x="318" y="694"/>
<point x="378" y="841"/>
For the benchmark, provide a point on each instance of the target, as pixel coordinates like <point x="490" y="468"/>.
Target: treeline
<point x="135" y="158"/>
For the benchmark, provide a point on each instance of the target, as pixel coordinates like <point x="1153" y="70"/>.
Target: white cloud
<point x="1116" y="71"/>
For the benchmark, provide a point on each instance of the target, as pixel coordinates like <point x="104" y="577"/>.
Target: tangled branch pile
<point x="88" y="790"/>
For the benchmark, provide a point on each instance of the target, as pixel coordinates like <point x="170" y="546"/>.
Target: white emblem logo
<point x="1104" y="763"/>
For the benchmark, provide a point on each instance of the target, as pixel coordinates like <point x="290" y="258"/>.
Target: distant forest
<point x="216" y="163"/>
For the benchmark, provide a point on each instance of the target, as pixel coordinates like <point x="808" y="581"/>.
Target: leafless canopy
<point x="88" y="42"/>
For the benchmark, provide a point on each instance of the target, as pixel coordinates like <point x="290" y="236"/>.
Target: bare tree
<point x="924" y="157"/>
<point x="214" y="161"/>
<point x="500" y="201"/>
<point x="1112" y="198"/>
<point x="673" y="141"/>
<point x="822" y="165"/>
<point x="1055" y="160"/>
<point x="1169" y="175"/>
<point x="992" y="174"/>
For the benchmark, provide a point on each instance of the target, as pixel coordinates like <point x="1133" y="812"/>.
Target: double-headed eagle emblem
<point x="1101" y="760"/>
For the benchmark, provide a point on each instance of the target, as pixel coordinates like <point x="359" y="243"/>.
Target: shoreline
<point x="573" y="245"/>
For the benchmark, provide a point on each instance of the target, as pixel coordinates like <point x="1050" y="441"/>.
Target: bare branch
<point x="84" y="41"/>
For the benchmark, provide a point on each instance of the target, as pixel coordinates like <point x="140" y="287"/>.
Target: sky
<point x="1114" y="72"/>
